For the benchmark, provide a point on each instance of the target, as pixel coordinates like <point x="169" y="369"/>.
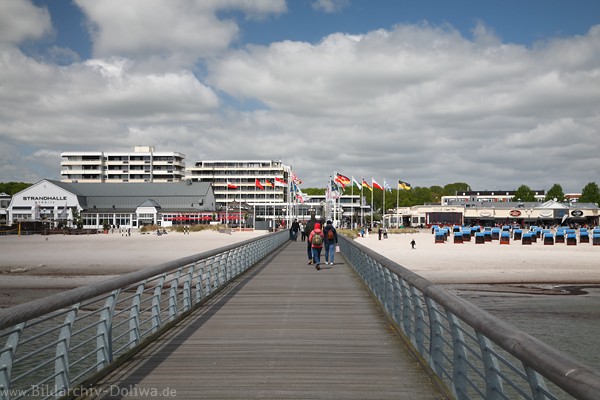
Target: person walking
<point x="331" y="239"/>
<point x="315" y="239"/>
<point x="294" y="230"/>
<point x="310" y="225"/>
<point x="413" y="243"/>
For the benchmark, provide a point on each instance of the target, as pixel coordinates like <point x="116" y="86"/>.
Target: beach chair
<point x="548" y="239"/>
<point x="458" y="237"/>
<point x="505" y="238"/>
<point x="526" y="239"/>
<point x="479" y="238"/>
<point x="571" y="239"/>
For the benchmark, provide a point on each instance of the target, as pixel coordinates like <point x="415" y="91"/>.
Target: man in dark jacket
<point x="330" y="242"/>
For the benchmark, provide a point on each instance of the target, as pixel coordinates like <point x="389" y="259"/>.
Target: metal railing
<point x="474" y="354"/>
<point x="53" y="344"/>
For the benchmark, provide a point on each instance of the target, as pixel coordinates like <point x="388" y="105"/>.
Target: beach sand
<point x="491" y="262"/>
<point x="36" y="266"/>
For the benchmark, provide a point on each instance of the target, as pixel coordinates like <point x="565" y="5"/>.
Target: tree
<point x="11" y="188"/>
<point x="555" y="192"/>
<point x="590" y="193"/>
<point x="524" y="193"/>
<point x="452" y="188"/>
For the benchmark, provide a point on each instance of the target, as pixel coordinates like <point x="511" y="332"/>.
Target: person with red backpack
<point x="316" y="243"/>
<point x="331" y="239"/>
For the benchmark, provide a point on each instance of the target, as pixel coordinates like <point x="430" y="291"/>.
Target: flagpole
<point x="227" y="205"/>
<point x="240" y="207"/>
<point x="352" y="202"/>
<point x="397" y="203"/>
<point x="372" y="210"/>
<point x="383" y="204"/>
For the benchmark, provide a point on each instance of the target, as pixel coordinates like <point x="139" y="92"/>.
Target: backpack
<point x="317" y="240"/>
<point x="330" y="235"/>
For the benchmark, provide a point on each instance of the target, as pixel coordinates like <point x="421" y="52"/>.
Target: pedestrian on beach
<point x="413" y="243"/>
<point x="310" y="225"/>
<point x="315" y="239"/>
<point x="379" y="233"/>
<point x="331" y="239"/>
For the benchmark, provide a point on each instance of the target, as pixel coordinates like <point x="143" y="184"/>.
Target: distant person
<point x="302" y="231"/>
<point x="294" y="230"/>
<point x="379" y="233"/>
<point x="331" y="240"/>
<point x="310" y="225"/>
<point x="413" y="243"/>
<point x="315" y="239"/>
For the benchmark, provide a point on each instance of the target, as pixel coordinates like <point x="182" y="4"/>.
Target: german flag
<point x="366" y="185"/>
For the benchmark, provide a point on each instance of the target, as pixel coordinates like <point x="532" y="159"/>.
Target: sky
<point x="496" y="93"/>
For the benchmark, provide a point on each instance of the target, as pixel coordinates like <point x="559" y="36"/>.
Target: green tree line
<point x="11" y="188"/>
<point x="433" y="195"/>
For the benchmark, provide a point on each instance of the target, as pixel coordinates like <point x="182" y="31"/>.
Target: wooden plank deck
<point x="283" y="331"/>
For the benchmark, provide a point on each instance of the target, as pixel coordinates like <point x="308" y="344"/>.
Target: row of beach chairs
<point x="504" y="235"/>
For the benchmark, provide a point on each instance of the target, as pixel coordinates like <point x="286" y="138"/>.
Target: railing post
<point x="407" y="310"/>
<point x="174" y="284"/>
<point x="493" y="383"/>
<point x="6" y="359"/>
<point x="104" y="350"/>
<point x="156" y="320"/>
<point x="134" y="316"/>
<point x="200" y="284"/>
<point x="420" y="325"/>
<point x="459" y="359"/>
<point x="436" y="342"/>
<point x="396" y="286"/>
<point x="187" y="289"/>
<point x="536" y="383"/>
<point x="61" y="363"/>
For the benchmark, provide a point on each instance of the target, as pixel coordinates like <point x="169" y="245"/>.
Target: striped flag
<point x="376" y="185"/>
<point x="258" y="184"/>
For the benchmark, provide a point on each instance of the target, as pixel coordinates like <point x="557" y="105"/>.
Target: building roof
<point x="171" y="196"/>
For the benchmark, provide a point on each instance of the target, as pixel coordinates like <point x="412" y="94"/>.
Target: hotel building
<point x="143" y="165"/>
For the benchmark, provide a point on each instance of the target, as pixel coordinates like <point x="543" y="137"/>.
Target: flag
<point x="376" y="185"/>
<point x="268" y="183"/>
<point x="366" y="185"/>
<point x="403" y="185"/>
<point x="258" y="184"/>
<point x="231" y="185"/>
<point x="342" y="180"/>
<point x="64" y="213"/>
<point x="280" y="182"/>
<point x="356" y="182"/>
<point x="386" y="186"/>
<point x="333" y="190"/>
<point x="295" y="178"/>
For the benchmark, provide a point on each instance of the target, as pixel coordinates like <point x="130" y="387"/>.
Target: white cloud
<point x="174" y="32"/>
<point x="330" y="6"/>
<point x="20" y="20"/>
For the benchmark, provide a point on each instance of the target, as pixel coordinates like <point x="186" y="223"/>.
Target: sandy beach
<point x="490" y="263"/>
<point x="35" y="266"/>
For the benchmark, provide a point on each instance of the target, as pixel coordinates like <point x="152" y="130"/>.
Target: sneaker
<point x="317" y="267"/>
<point x="310" y="262"/>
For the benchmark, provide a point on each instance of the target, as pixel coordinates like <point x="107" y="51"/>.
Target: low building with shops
<point x="123" y="205"/>
<point x="486" y="213"/>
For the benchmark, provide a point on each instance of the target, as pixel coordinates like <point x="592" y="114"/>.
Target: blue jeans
<point x="316" y="253"/>
<point x="329" y="252"/>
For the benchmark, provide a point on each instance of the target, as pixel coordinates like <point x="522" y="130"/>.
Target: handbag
<point x="337" y="248"/>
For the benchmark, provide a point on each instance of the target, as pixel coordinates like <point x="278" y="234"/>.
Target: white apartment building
<point x="143" y="165"/>
<point x="244" y="174"/>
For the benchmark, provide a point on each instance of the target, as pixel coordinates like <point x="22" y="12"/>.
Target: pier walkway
<point x="283" y="330"/>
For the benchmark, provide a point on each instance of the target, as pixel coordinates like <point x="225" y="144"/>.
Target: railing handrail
<point x="573" y="376"/>
<point x="38" y="307"/>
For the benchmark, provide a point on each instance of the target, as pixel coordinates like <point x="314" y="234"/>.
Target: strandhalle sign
<point x="43" y="198"/>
